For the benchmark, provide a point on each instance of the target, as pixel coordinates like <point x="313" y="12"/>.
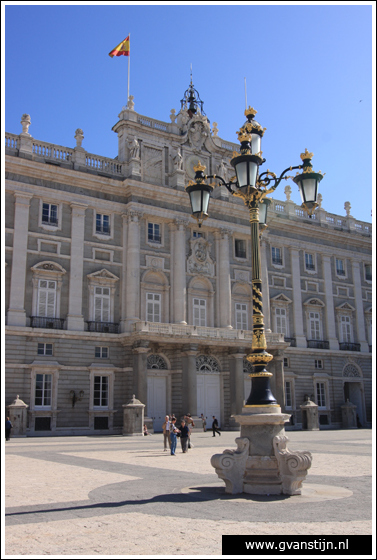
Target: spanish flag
<point x="122" y="49"/>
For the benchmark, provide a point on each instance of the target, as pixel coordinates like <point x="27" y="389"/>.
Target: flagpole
<point x="128" y="78"/>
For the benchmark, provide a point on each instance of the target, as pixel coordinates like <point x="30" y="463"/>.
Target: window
<point x="49" y="214"/>
<point x="318" y="364"/>
<point x="44" y="349"/>
<point x="197" y="234"/>
<point x="103" y="224"/>
<point x="277" y="256"/>
<point x="339" y="265"/>
<point x="240" y="248"/>
<point x="314" y="325"/>
<point x="345" y="329"/>
<point x="101" y="391"/>
<point x="43" y="384"/>
<point x="286" y="362"/>
<point x="280" y="321"/>
<point x="46" y="306"/>
<point x="154" y="308"/>
<point x="102" y="352"/>
<point x="199" y="309"/>
<point x="288" y="394"/>
<point x="102" y="300"/>
<point x="241" y="316"/>
<point x="368" y="273"/>
<point x="101" y="304"/>
<point x="154" y="233"/>
<point x="309" y="262"/>
<point x="321" y="395"/>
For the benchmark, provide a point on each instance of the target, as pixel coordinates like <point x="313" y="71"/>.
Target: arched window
<point x="207" y="363"/>
<point x="156" y="362"/>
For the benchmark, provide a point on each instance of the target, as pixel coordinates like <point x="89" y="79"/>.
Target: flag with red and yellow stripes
<point x="122" y="49"/>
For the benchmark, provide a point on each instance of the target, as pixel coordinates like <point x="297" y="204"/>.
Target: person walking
<point x="215" y="426"/>
<point x="204" y="422"/>
<point x="190" y="424"/>
<point x="166" y="432"/>
<point x="184" y="436"/>
<point x="173" y="435"/>
<point x="8" y="427"/>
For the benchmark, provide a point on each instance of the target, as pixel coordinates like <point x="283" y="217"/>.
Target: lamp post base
<point x="262" y="464"/>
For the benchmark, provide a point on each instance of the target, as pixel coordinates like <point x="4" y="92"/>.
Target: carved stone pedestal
<point x="262" y="464"/>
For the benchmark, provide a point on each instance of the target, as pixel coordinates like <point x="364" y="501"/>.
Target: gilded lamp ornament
<point x="252" y="187"/>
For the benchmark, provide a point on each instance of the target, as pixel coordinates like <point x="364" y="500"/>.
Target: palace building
<point x="112" y="289"/>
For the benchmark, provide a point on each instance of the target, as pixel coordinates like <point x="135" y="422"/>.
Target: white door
<point x="208" y="396"/>
<point x="156" y="401"/>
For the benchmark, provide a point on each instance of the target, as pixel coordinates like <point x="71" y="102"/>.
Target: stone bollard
<point x="309" y="415"/>
<point x="133" y="418"/>
<point x="17" y="412"/>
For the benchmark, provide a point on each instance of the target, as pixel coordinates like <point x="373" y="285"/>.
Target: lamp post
<point x="253" y="187"/>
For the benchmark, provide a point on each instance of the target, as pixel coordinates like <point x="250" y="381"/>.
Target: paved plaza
<point x="125" y="496"/>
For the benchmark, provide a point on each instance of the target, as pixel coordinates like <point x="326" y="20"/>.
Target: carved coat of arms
<point x="200" y="261"/>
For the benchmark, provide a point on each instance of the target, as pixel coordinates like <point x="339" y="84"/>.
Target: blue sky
<point x="308" y="70"/>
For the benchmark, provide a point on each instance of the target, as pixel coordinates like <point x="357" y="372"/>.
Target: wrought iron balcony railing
<point x="320" y="344"/>
<point x="47" y="323"/>
<point x="350" y="346"/>
<point x="103" y="327"/>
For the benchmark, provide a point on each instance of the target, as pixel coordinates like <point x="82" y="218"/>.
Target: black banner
<point x="238" y="545"/>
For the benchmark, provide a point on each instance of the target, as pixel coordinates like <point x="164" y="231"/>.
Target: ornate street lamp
<point x="253" y="187"/>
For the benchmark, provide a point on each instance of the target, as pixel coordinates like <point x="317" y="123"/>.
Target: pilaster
<point x="140" y="379"/>
<point x="133" y="271"/>
<point x="75" y="319"/>
<point x="298" y="324"/>
<point x="224" y="280"/>
<point x="360" y="322"/>
<point x="16" y="313"/>
<point x="330" y="315"/>
<point x="189" y="381"/>
<point x="179" y="311"/>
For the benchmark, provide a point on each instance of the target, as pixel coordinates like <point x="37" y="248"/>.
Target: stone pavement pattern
<point x="124" y="496"/>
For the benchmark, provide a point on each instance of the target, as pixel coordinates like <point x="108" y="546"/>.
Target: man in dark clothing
<point x="215" y="426"/>
<point x="8" y="427"/>
<point x="184" y="436"/>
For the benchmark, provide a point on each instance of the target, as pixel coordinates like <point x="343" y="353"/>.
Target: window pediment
<point x="345" y="307"/>
<point x="280" y="299"/>
<point x="48" y="268"/>
<point x="102" y="276"/>
<point x="314" y="302"/>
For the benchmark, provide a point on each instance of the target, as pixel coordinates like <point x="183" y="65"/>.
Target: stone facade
<point x="111" y="289"/>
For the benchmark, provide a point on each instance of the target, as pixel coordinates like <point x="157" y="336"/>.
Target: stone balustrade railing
<point x="52" y="151"/>
<point x="152" y="123"/>
<point x="11" y="141"/>
<point x="172" y="329"/>
<point x="105" y="165"/>
<point x="100" y="164"/>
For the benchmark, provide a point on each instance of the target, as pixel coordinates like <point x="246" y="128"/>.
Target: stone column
<point x="277" y="381"/>
<point x="75" y="319"/>
<point x="265" y="286"/>
<point x="16" y="311"/>
<point x="189" y="382"/>
<point x="133" y="272"/>
<point x="298" y="324"/>
<point x="224" y="280"/>
<point x="236" y="380"/>
<point x="140" y="379"/>
<point x="360" y="323"/>
<point x="330" y="315"/>
<point x="123" y="311"/>
<point x="179" y="273"/>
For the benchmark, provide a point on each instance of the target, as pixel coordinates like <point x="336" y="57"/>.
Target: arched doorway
<point x="353" y="389"/>
<point x="208" y="388"/>
<point x="156" y="390"/>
